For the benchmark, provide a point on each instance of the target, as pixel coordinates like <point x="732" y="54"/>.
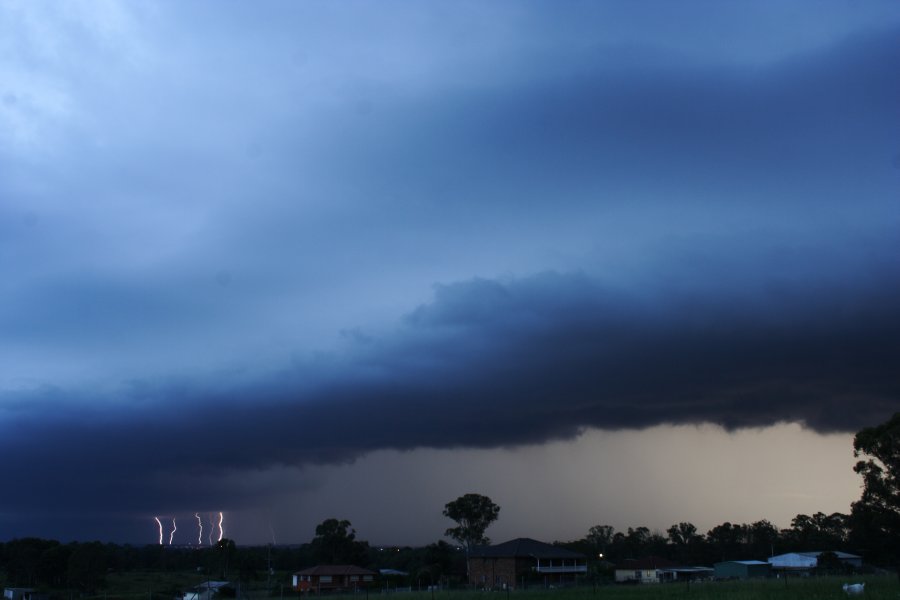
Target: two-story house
<point x="513" y="563"/>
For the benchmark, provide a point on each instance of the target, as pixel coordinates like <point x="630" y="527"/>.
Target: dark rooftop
<point x="335" y="570"/>
<point x="523" y="547"/>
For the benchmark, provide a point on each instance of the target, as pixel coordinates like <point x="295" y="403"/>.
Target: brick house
<point x="512" y="563"/>
<point x="328" y="578"/>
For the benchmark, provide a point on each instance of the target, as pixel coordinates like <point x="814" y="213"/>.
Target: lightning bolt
<point x="221" y="531"/>
<point x="200" y="523"/>
<point x="211" y="530"/>
<point x="174" y="529"/>
<point x="158" y="522"/>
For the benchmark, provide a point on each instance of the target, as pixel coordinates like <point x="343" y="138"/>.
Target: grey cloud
<point x="593" y="131"/>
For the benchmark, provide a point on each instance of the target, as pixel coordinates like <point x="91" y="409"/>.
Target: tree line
<point x="84" y="567"/>
<point x="684" y="544"/>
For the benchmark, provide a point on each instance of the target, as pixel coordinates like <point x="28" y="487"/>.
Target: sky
<point x="626" y="263"/>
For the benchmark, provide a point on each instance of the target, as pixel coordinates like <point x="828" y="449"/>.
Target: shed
<point x="805" y="561"/>
<point x="742" y="569"/>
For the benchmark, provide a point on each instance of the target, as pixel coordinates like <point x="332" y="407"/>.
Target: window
<point x="325" y="579"/>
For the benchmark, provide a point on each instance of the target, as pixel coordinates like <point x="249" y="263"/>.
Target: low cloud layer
<point x="487" y="363"/>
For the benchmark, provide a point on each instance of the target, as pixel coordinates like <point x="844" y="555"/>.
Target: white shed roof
<point x="793" y="560"/>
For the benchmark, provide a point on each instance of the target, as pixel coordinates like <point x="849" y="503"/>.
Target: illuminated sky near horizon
<point x="291" y="259"/>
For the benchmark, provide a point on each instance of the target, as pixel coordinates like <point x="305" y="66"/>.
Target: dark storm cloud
<point x="490" y="363"/>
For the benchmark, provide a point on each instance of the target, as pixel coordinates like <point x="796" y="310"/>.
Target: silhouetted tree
<point x="636" y="539"/>
<point x="817" y="532"/>
<point x="24" y="560"/>
<point x="686" y="543"/>
<point x="473" y="513"/>
<point x="439" y="559"/>
<point x="600" y="537"/>
<point x="875" y="517"/>
<point x="335" y="543"/>
<point x="53" y="565"/>
<point x="727" y="540"/>
<point x="87" y="566"/>
<point x="682" y="533"/>
<point x="762" y="538"/>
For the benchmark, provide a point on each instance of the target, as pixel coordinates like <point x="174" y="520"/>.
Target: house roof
<point x="335" y="570"/>
<point x="647" y="563"/>
<point x="793" y="560"/>
<point x="743" y="562"/>
<point x="805" y="560"/>
<point x="523" y="547"/>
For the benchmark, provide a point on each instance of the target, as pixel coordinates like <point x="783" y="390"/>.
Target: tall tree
<point x="87" y="566"/>
<point x="818" y="532"/>
<point x="473" y="514"/>
<point x="600" y="536"/>
<point x="762" y="537"/>
<point x="335" y="543"/>
<point x="726" y="540"/>
<point x="686" y="542"/>
<point x="682" y="534"/>
<point x="875" y="517"/>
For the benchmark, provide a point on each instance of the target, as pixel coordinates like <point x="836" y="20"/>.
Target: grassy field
<point x="134" y="586"/>
<point x="826" y="588"/>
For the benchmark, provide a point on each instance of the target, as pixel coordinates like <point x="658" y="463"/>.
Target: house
<point x="327" y="578"/>
<point x="807" y="561"/>
<point x="742" y="569"/>
<point x="652" y="569"/>
<point x="511" y="563"/>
